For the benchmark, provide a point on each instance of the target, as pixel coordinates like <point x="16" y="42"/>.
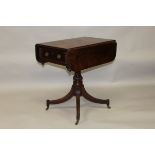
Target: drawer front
<point x="54" y="55"/>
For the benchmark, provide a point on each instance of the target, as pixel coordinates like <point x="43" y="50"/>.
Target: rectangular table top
<point x="76" y="42"/>
<point x="77" y="53"/>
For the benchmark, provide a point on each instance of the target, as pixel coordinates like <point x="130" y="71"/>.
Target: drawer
<point x="53" y="55"/>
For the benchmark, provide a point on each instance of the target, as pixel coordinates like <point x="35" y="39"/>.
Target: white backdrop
<point x="129" y="81"/>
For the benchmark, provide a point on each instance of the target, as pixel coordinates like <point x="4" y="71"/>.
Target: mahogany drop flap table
<point x="77" y="54"/>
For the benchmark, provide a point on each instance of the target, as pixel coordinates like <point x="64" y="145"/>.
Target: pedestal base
<point x="78" y="90"/>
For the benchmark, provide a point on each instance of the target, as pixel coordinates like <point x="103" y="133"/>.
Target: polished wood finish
<point x="76" y="42"/>
<point x="77" y="90"/>
<point x="77" y="54"/>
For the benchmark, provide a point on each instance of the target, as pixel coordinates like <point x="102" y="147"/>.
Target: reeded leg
<point x="95" y="100"/>
<point x="77" y="109"/>
<point x="61" y="100"/>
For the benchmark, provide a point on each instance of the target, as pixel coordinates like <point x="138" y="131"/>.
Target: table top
<point x="77" y="53"/>
<point x="76" y="42"/>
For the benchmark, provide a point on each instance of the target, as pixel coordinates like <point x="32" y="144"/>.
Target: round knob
<point x="58" y="56"/>
<point x="46" y="54"/>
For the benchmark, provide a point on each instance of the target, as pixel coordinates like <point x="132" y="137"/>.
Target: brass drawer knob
<point x="46" y="54"/>
<point x="58" y="56"/>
